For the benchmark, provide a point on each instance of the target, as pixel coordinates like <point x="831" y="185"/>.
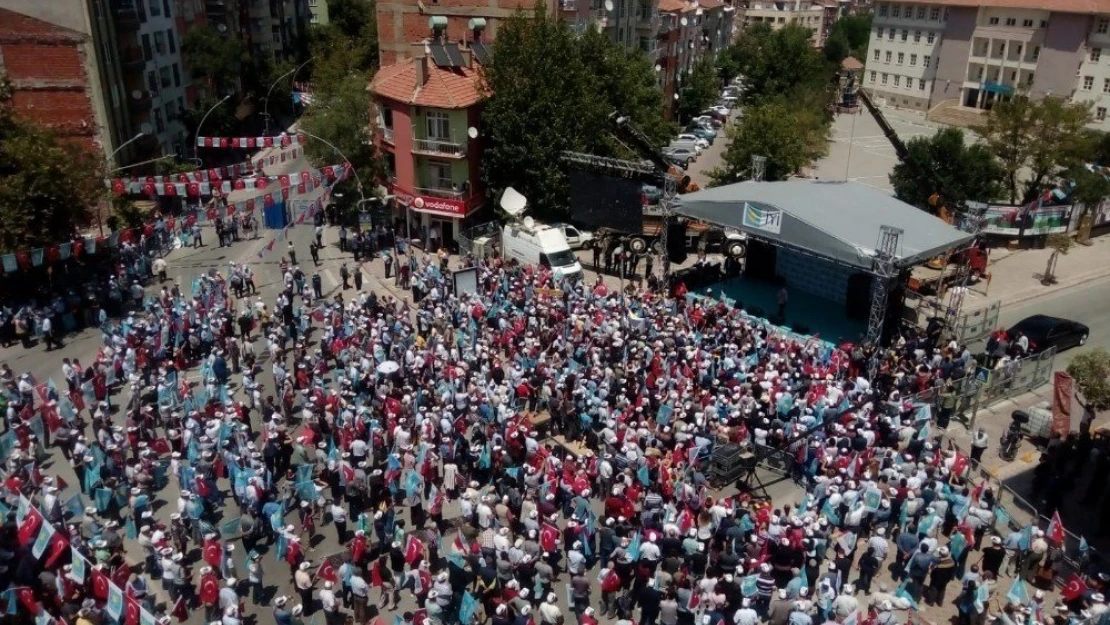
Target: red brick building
<point x="48" y="69"/>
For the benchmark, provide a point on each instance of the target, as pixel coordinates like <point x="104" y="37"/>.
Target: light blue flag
<point x="1084" y="548"/>
<point x="103" y="500"/>
<point x="644" y="475"/>
<point x="412" y="484"/>
<point x="831" y="514"/>
<point x="633" y="548"/>
<point x="456" y="559"/>
<point x="1000" y="516"/>
<point x="13" y="604"/>
<point x="957" y="545"/>
<point x="902" y="593"/>
<point x="467" y="607"/>
<point x="982" y="594"/>
<point x="663" y="417"/>
<point x="802" y="578"/>
<point x="129" y="528"/>
<point x="75" y="506"/>
<point x="280" y="547"/>
<point x="746" y="524"/>
<point x="1018" y="593"/>
<point x="78" y="565"/>
<point x="1026" y="537"/>
<point x="749" y="585"/>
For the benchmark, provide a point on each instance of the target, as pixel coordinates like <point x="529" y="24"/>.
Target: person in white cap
<point x="329" y="603"/>
<point x="549" y="612"/>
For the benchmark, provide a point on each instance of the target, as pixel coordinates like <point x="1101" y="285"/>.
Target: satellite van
<point x="533" y="243"/>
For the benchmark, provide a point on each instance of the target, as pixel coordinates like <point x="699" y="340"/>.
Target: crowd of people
<point x="524" y="454"/>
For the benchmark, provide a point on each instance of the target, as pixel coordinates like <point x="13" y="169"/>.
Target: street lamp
<point x="201" y="124"/>
<point x="348" y="161"/>
<point x="144" y="130"/>
<point x="266" y="110"/>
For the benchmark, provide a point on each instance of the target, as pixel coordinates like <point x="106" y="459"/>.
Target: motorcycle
<point x="1011" y="440"/>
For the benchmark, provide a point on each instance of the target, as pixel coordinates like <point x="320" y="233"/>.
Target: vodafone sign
<point x="428" y="204"/>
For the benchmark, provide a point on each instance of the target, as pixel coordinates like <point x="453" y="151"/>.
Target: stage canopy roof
<point x="835" y="220"/>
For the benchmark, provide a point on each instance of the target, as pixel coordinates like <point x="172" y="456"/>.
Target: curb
<point x="1030" y="294"/>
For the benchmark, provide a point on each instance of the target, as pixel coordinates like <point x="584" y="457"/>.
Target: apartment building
<point x="402" y="23"/>
<point x="277" y="27"/>
<point x="318" y="11"/>
<point x="778" y="13"/>
<point x="956" y="58"/>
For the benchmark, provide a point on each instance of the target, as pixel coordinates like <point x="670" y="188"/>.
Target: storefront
<point x="425" y="217"/>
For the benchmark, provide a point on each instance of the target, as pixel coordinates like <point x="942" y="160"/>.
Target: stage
<point x="805" y="313"/>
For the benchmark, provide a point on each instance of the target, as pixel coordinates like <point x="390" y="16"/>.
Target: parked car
<point x="1044" y="332"/>
<point x="683" y="154"/>
<point x="701" y="142"/>
<point x="702" y="132"/>
<point x="708" y="121"/>
<point x="691" y="144"/>
<point x="576" y="238"/>
<point x="677" y="161"/>
<point x="651" y="194"/>
<point x="716" y="113"/>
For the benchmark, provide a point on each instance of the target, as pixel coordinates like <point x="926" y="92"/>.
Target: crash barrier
<point x="968" y="327"/>
<point x="491" y="231"/>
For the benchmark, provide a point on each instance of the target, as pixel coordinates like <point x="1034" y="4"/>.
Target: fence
<point x="466" y="238"/>
<point x="968" y="327"/>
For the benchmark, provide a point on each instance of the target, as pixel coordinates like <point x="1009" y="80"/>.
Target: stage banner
<point x="1063" y="388"/>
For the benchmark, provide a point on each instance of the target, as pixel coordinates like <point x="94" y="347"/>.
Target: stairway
<point x="950" y="112"/>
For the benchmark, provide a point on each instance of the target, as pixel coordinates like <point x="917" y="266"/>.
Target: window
<point x="921" y="84"/>
<point x="931" y="37"/>
<point x="882" y="10"/>
<point x="901" y="58"/>
<point x="934" y="13"/>
<point x="386" y="115"/>
<point x="873" y="75"/>
<point x="876" y="55"/>
<point x="160" y="42"/>
<point x="146" y="48"/>
<point x="439" y="125"/>
<point x="155" y="8"/>
<point x="879" y="33"/>
<point x="884" y="78"/>
<point x="171" y="110"/>
<point x="905" y="34"/>
<point x="158" y="123"/>
<point x="165" y="77"/>
<point x="888" y="55"/>
<point x="152" y="82"/>
<point x="909" y="12"/>
<point x="1103" y="25"/>
<point x="1096" y="54"/>
<point x="913" y="60"/>
<point x="1044" y="23"/>
<point x="993" y="21"/>
<point x="896" y="11"/>
<point x="1106" y="85"/>
<point x="1036" y="52"/>
<point x="1011" y="21"/>
<point x="917" y="36"/>
<point x="921" y="13"/>
<point x="1030" y="80"/>
<point x="1100" y="113"/>
<point x="166" y="7"/>
<point x="1088" y="82"/>
<point x="925" y="60"/>
<point x="891" y="36"/>
<point x="176" y="76"/>
<point x="1027" y="23"/>
<point x="172" y="41"/>
<point x="897" y="81"/>
<point x="439" y="175"/>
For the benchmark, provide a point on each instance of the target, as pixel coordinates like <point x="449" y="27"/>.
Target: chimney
<point x="421" y="70"/>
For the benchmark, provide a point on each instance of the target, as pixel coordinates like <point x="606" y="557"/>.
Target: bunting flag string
<point x="241" y="143"/>
<point x="304" y="181"/>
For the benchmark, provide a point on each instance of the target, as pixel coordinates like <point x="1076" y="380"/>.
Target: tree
<point x="215" y="56"/>
<point x="837" y="48"/>
<point x="47" y="185"/>
<point x="1090" y="187"/>
<point x="1061" y="243"/>
<point x="221" y="122"/>
<point x="1042" y="137"/>
<point x="944" y="163"/>
<point x="1091" y="371"/>
<point x="699" y="89"/>
<point x="855" y="30"/>
<point x="340" y="115"/>
<point x="776" y="62"/>
<point x="789" y="135"/>
<point x="552" y="91"/>
<point x="347" y="44"/>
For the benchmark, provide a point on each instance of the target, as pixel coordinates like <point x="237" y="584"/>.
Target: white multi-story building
<point x="902" y="54"/>
<point x="166" y="79"/>
<point x="779" y="13"/>
<point x="1093" y="81"/>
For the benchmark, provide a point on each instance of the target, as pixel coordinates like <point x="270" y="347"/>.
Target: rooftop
<point x="445" y="88"/>
<point x="1060" y="6"/>
<point x="20" y="28"/>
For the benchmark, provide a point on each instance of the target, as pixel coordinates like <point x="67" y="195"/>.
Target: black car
<point x="1044" y="332"/>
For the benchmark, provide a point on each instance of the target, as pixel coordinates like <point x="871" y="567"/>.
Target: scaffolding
<point x="885" y="270"/>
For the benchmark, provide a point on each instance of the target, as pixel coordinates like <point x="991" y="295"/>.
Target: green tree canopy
<point x="46" y="184"/>
<point x="853" y="30"/>
<point x="699" y="89"/>
<point x="552" y="91"/>
<point x="1037" y="139"/>
<point x="1091" y="370"/>
<point x="790" y="134"/>
<point x="944" y="163"/>
<point x="777" y="62"/>
<point x="347" y="44"/>
<point x="214" y="56"/>
<point x="340" y="115"/>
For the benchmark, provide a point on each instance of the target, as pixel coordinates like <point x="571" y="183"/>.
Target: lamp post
<point x="142" y="133"/>
<point x="266" y="110"/>
<point x="201" y="125"/>
<point x="347" y="160"/>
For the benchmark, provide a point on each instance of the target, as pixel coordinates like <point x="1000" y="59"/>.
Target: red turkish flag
<point x="190" y="221"/>
<point x="1055" y="531"/>
<point x="193" y="189"/>
<point x="285" y="142"/>
<point x="183" y="177"/>
<point x="118" y="187"/>
<point x="214" y="174"/>
<point x="209" y="142"/>
<point x="78" y="246"/>
<point x="358" y="548"/>
<point x="268" y="200"/>
<point x="959" y="465"/>
<point x="223" y="142"/>
<point x="549" y="537"/>
<point x="209" y="589"/>
<point x="285" y="194"/>
<point x="268" y="142"/>
<point x="131" y="610"/>
<point x="328" y="171"/>
<point x="213" y="552"/>
<point x="293" y="552"/>
<point x="160" y="446"/>
<point x="302" y="139"/>
<point x="149" y="189"/>
<point x="1074" y="588"/>
<point x="29" y="528"/>
<point x="261" y="182"/>
<point x="301" y="187"/>
<point x="180" y="611"/>
<point x="231" y="208"/>
<point x="169" y="189"/>
<point x="376" y="575"/>
<point x="414" y="550"/>
<point x="239" y="185"/>
<point x="121" y="574"/>
<point x="52" y="254"/>
<point x="127" y="236"/>
<point x="148" y="230"/>
<point x="27" y="599"/>
<point x="284" y="178"/>
<point x="212" y="214"/>
<point x="100" y="584"/>
<point x="58" y="546"/>
<point x="251" y="142"/>
<point x="326" y="572"/>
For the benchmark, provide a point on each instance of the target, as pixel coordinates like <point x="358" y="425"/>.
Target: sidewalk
<point x="1016" y="274"/>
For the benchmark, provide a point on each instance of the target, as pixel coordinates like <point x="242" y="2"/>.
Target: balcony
<point x="446" y="194"/>
<point x="439" y="148"/>
<point x="568" y="5"/>
<point x="387" y="134"/>
<point x="127" y="15"/>
<point x="647" y="20"/>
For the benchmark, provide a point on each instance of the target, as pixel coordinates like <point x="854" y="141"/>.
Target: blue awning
<point x="994" y="87"/>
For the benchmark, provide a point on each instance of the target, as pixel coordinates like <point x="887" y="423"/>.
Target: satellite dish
<point x="609" y="5"/>
<point x="137" y="94"/>
<point x="529" y="222"/>
<point x="698" y="11"/>
<point x="684" y="21"/>
<point x="658" y="68"/>
<point x="676" y="96"/>
<point x="512" y="202"/>
<point x="146" y="129"/>
<point x="222" y="28"/>
<point x="472" y="132"/>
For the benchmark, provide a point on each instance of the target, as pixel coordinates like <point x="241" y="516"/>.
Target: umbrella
<point x="389" y="367"/>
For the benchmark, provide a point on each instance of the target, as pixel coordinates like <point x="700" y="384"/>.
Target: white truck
<point x="533" y="243"/>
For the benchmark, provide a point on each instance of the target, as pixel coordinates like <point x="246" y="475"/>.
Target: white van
<point x="534" y="243"/>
